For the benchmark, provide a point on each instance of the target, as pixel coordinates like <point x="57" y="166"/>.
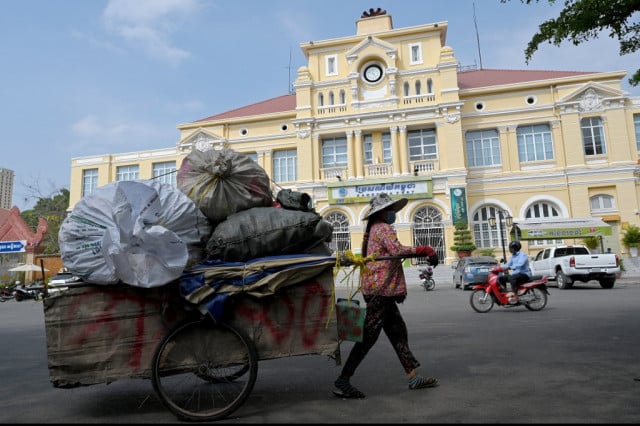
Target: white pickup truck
<point x="566" y="264"/>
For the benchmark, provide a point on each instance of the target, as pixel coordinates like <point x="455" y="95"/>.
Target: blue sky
<point x="88" y="77"/>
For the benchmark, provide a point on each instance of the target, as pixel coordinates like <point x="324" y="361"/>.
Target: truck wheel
<point x="607" y="282"/>
<point x="564" y="282"/>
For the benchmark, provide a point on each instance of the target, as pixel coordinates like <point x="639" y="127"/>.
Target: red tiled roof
<point x="489" y="77"/>
<point x="270" y="106"/>
<point x="466" y="80"/>
<point x="14" y="228"/>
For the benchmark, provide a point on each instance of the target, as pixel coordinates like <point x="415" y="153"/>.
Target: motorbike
<point x="426" y="277"/>
<point x="532" y="294"/>
<point x="6" y="293"/>
<point x="20" y="293"/>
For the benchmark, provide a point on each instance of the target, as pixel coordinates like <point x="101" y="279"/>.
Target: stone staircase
<point x="631" y="267"/>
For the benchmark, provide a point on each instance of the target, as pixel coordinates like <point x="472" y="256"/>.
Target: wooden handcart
<point x="203" y="364"/>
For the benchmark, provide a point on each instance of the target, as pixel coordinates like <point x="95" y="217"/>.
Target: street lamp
<point x="508" y="221"/>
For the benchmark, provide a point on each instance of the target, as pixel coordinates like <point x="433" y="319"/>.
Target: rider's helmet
<point x="514" y="247"/>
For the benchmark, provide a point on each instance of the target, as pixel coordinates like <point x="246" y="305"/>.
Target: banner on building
<point x="410" y="188"/>
<point x="459" y="205"/>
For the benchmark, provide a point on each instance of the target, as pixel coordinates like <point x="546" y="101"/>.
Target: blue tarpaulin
<point x="210" y="283"/>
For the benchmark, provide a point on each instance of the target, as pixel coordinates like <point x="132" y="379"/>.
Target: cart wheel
<point x="197" y="366"/>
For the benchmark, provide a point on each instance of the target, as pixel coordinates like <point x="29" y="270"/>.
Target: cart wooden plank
<point x="100" y="334"/>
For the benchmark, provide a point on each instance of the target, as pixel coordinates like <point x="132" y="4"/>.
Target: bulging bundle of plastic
<point x="143" y="233"/>
<point x="268" y="231"/>
<point x="223" y="182"/>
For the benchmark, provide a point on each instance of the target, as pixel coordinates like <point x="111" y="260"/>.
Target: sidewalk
<point x="443" y="274"/>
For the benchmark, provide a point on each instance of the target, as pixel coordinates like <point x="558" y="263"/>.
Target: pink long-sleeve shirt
<point x="383" y="241"/>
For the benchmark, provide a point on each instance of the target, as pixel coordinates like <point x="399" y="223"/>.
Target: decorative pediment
<point x="202" y="140"/>
<point x="592" y="97"/>
<point x="373" y="45"/>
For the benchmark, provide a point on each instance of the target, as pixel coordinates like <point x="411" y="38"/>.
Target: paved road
<point x="573" y="362"/>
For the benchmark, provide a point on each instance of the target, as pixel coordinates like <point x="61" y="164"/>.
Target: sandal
<point x="419" y="382"/>
<point x="344" y="389"/>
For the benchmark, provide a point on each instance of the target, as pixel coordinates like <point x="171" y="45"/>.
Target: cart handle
<point x="349" y="259"/>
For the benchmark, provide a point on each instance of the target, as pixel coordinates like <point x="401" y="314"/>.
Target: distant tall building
<point x="6" y="188"/>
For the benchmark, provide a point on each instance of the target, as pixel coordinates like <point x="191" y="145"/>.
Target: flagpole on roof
<point x="475" y="23"/>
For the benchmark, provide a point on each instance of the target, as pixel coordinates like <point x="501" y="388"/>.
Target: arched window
<point x="429" y="86"/>
<point x="602" y="203"/>
<point x="483" y="234"/>
<point x="418" y="87"/>
<point x="406" y="88"/>
<point x="341" y="238"/>
<point x="543" y="210"/>
<point x="428" y="230"/>
<point x="320" y="99"/>
<point x="343" y="97"/>
<point x="331" y="99"/>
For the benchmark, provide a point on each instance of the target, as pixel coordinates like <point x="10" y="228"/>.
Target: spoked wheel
<point x="204" y="371"/>
<point x="481" y="301"/>
<point x="429" y="284"/>
<point x="534" y="299"/>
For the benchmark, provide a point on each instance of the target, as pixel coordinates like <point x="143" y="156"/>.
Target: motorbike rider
<point x="520" y="270"/>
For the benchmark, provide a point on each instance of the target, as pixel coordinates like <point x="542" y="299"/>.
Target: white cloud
<point x="150" y="24"/>
<point x="87" y="126"/>
<point x="79" y="35"/>
<point x="94" y="135"/>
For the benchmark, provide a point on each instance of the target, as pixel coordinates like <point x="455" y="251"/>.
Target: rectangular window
<point x="416" y="54"/>
<point x="483" y="148"/>
<point x="332" y="64"/>
<point x="535" y="143"/>
<point x="89" y="181"/>
<point x="252" y="155"/>
<point x="165" y="172"/>
<point x="367" y="146"/>
<point x="636" y="123"/>
<point x="593" y="136"/>
<point x="422" y="145"/>
<point x="334" y="152"/>
<point x="386" y="148"/>
<point x="127" y="172"/>
<point x="285" y="166"/>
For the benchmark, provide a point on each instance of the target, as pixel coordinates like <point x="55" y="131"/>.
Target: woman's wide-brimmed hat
<point x="383" y="201"/>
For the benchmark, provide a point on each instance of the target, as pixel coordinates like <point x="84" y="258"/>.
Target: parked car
<point x="568" y="264"/>
<point x="472" y="270"/>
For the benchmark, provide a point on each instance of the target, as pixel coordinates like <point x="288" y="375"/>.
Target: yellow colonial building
<point x="552" y="155"/>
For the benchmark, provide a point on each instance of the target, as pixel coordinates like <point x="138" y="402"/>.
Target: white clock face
<point x="373" y="73"/>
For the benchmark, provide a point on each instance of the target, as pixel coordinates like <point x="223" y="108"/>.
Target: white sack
<point x="143" y="233"/>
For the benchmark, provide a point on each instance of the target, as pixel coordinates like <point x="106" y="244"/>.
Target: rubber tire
<point x="481" y="301"/>
<point x="429" y="284"/>
<point x="541" y="299"/>
<point x="202" y="343"/>
<point x="607" y="282"/>
<point x="563" y="281"/>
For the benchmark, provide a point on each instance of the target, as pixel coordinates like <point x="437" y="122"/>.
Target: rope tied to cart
<point x="348" y="258"/>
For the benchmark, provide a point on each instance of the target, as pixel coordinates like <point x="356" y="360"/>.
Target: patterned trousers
<point x="382" y="314"/>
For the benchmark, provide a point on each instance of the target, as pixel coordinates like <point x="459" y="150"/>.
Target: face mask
<point x="390" y="217"/>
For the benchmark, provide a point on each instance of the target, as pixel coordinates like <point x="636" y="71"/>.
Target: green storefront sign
<point x="563" y="230"/>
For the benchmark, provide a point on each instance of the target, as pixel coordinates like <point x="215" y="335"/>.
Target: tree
<point x="462" y="238"/>
<point x="54" y="210"/>
<point x="582" y="20"/>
